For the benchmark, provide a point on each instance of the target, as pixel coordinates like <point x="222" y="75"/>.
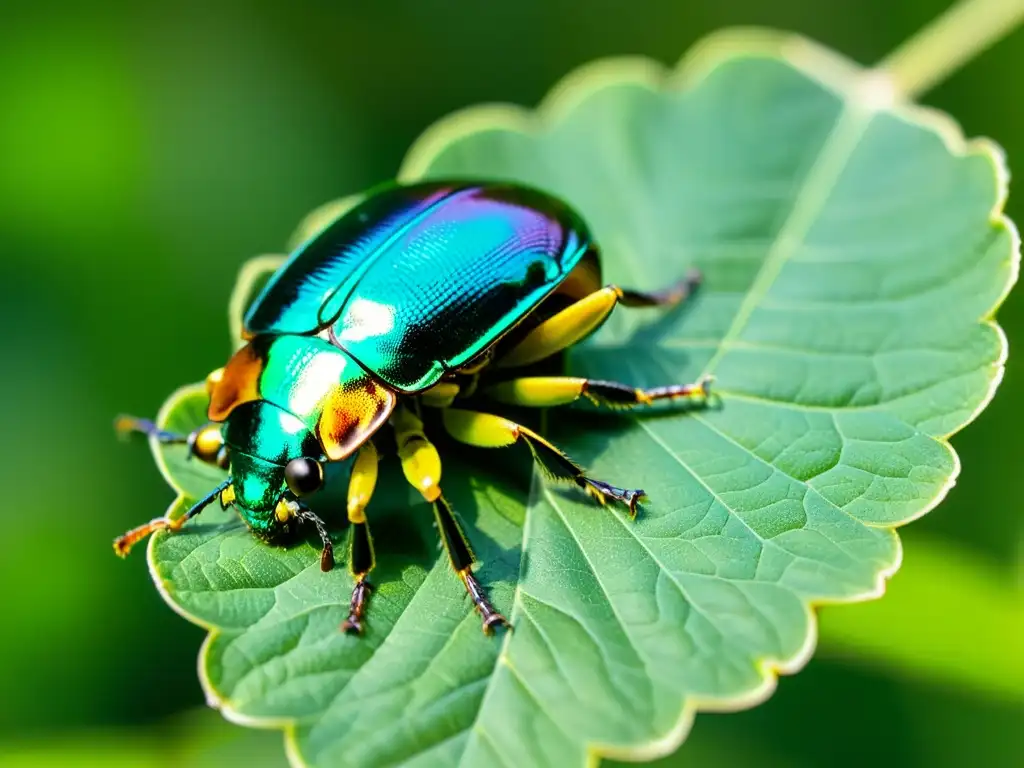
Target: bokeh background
<point x="147" y="150"/>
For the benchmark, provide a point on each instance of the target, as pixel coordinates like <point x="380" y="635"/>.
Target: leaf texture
<point x="854" y="253"/>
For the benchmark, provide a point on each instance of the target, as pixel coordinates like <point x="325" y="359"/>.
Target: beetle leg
<point x="461" y="557"/>
<point x="549" y="391"/>
<point x="441" y="395"/>
<point x="361" y="559"/>
<point x="579" y="320"/>
<point x="123" y="544"/>
<point x="421" y="463"/>
<point x="485" y="430"/>
<point x="422" y="467"/>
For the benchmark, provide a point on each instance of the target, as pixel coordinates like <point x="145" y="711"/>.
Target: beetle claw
<point x="354" y="623"/>
<point x="604" y="491"/>
<point x="352" y="626"/>
<point x="494" y="620"/>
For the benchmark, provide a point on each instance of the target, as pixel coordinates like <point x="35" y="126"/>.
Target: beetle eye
<point x="304" y="476"/>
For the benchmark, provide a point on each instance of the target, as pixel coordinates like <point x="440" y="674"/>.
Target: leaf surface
<point x="853" y="255"/>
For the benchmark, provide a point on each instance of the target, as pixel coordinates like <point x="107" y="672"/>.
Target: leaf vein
<point x="817" y="186"/>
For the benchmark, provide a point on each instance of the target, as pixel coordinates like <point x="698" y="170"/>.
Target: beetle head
<point x="275" y="461"/>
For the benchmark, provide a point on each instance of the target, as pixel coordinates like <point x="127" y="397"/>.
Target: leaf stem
<point x="955" y="37"/>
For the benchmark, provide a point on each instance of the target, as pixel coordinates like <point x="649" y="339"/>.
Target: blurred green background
<point x="147" y="150"/>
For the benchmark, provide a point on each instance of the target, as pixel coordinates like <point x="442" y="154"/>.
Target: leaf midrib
<point x="838" y="147"/>
<point x="535" y="490"/>
<point x="815" y="189"/>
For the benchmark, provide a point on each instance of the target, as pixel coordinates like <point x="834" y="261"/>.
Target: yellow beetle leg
<point x="362" y="482"/>
<point x="440" y="395"/>
<point x="579" y="320"/>
<point x="550" y="391"/>
<point x="485" y="430"/>
<point x="361" y="560"/>
<point x="564" y="329"/>
<point x="421" y="463"/>
<point x="422" y="467"/>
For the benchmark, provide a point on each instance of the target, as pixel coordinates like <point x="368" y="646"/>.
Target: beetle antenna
<point x="125" y="425"/>
<point x="123" y="544"/>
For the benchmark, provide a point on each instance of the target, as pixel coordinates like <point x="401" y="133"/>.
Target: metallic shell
<point x="321" y="390"/>
<point x="417" y="280"/>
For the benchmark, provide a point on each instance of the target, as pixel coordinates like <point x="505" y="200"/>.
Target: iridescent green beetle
<point x="421" y="295"/>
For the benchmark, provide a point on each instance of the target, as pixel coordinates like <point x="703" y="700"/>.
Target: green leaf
<point x="854" y="253"/>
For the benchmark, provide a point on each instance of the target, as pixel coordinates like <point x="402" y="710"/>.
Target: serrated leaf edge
<point x="872" y="89"/>
<point x="868" y="89"/>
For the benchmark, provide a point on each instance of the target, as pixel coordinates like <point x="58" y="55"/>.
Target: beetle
<point x="422" y="295"/>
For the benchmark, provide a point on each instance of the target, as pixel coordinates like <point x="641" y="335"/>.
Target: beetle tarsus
<point x="489" y="616"/>
<point x="699" y="389"/>
<point x="603" y="491"/>
<point x="666" y="297"/>
<point x="357" y="606"/>
<point x="123" y="544"/>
